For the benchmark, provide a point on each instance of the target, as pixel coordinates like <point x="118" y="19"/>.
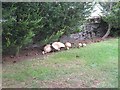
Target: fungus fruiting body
<point x="84" y="45"/>
<point x="58" y="45"/>
<point x="80" y="45"/>
<point x="47" y="49"/>
<point x="68" y="45"/>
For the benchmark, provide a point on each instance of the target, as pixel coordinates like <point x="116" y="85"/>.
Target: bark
<point x="109" y="26"/>
<point x="108" y="32"/>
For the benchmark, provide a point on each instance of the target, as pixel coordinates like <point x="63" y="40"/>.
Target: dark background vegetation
<point x="44" y="22"/>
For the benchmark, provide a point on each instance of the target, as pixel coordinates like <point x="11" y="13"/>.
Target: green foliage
<point x="42" y="22"/>
<point x="21" y="21"/>
<point x="59" y="16"/>
<point x="113" y="16"/>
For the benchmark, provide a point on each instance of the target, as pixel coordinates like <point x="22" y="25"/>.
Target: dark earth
<point x="33" y="52"/>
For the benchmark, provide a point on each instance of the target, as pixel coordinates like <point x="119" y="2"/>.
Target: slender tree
<point x="109" y="25"/>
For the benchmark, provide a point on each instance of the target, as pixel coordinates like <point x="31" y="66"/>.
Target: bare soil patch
<point x="30" y="53"/>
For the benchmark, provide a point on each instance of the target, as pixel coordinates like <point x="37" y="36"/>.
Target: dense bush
<point x="19" y="23"/>
<point x="41" y="22"/>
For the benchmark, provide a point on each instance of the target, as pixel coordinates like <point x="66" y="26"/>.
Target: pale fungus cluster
<point x="58" y="45"/>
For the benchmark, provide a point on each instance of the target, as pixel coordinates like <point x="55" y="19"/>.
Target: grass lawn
<point x="95" y="65"/>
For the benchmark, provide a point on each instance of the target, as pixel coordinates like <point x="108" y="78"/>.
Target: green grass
<point x="95" y="66"/>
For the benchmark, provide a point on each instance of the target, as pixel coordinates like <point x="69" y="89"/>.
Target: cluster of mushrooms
<point x="58" y="45"/>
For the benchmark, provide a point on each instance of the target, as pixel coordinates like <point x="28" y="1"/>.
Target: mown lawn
<point x="95" y="65"/>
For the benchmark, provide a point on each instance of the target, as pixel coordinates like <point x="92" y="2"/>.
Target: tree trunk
<point x="108" y="32"/>
<point x="109" y="26"/>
